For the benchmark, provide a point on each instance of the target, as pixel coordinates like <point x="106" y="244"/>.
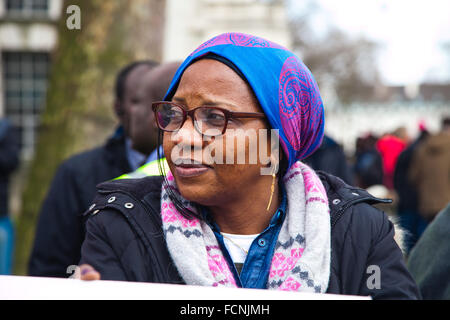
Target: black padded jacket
<point x="124" y="239"/>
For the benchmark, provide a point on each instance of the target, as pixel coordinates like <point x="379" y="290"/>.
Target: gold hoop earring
<point x="272" y="188"/>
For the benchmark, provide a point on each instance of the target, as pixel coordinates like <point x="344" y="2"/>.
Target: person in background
<point x="408" y="208"/>
<point x="136" y="153"/>
<point x="9" y="160"/>
<point x="330" y="157"/>
<point x="368" y="167"/>
<point x="430" y="172"/>
<point x="429" y="261"/>
<point x="390" y="146"/>
<point x="60" y="230"/>
<point x="144" y="131"/>
<point x="143" y="119"/>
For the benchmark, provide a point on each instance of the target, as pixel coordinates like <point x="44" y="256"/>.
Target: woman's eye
<point x="173" y="113"/>
<point x="215" y="116"/>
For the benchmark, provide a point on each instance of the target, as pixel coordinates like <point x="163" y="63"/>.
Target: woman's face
<point x="211" y="182"/>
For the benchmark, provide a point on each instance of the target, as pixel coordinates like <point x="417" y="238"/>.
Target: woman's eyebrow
<point x="178" y="99"/>
<point x="219" y="103"/>
<point x="209" y="102"/>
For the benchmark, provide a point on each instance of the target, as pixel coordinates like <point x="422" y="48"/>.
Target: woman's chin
<point x="199" y="191"/>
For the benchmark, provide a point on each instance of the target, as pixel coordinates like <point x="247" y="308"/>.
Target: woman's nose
<point x="187" y="135"/>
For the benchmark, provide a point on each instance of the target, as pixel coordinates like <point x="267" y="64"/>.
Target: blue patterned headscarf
<point x="283" y="85"/>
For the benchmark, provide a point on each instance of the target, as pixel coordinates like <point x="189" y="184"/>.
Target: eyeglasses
<point x="208" y="121"/>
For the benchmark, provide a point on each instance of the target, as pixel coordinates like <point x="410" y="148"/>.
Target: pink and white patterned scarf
<point x="301" y="261"/>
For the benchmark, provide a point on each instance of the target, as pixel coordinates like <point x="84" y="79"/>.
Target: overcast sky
<point x="410" y="33"/>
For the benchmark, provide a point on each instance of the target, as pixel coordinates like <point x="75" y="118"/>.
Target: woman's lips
<point x="190" y="170"/>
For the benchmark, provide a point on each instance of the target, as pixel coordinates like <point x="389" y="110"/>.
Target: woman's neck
<point x="247" y="214"/>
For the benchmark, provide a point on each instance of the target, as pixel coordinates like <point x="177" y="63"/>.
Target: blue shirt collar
<point x="277" y="218"/>
<point x="135" y="158"/>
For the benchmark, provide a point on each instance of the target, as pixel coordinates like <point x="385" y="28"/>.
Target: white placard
<point x="31" y="288"/>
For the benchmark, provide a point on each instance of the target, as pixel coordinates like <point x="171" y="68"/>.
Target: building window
<point x="25" y="77"/>
<point x="27" y="8"/>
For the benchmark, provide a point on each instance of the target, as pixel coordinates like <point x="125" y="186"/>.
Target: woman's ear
<point x="274" y="157"/>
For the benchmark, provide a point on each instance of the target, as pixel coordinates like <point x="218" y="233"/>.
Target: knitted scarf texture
<point x="301" y="260"/>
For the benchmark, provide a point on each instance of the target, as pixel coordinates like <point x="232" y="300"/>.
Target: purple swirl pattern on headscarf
<point x="300" y="106"/>
<point x="237" y="39"/>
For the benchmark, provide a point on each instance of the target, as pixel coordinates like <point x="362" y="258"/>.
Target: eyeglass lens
<point x="208" y="121"/>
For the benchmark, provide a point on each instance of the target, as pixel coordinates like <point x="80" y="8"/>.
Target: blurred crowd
<point x="414" y="172"/>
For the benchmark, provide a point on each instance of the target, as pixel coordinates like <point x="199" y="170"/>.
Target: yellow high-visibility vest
<point x="146" y="170"/>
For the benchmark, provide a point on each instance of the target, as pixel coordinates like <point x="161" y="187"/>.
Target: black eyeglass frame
<point x="228" y="115"/>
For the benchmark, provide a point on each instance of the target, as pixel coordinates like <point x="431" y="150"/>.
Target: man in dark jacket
<point x="125" y="241"/>
<point x="59" y="232"/>
<point x="368" y="166"/>
<point x="331" y="158"/>
<point x="9" y="159"/>
<point x="408" y="207"/>
<point x="144" y="132"/>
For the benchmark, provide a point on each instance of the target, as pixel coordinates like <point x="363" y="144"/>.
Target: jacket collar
<point x="340" y="195"/>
